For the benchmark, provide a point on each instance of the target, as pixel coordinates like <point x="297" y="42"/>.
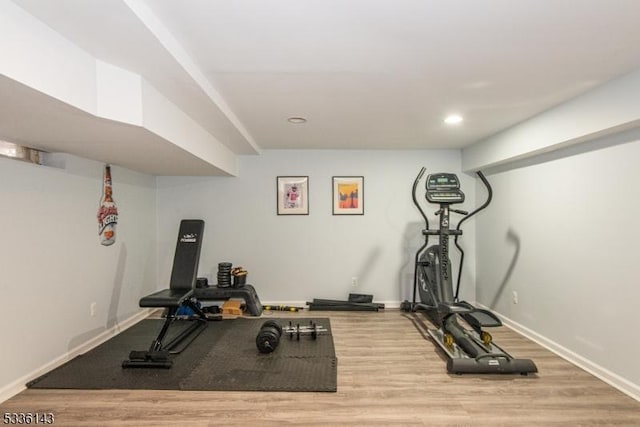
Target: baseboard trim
<point x="18" y="385"/>
<point x="625" y="386"/>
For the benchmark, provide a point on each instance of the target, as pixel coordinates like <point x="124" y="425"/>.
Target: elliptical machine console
<point x="444" y="188"/>
<point x="470" y="349"/>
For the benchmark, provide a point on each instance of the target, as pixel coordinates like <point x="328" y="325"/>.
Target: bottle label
<point x="107" y="215"/>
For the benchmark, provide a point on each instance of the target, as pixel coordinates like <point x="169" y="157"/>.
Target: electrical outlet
<point x="92" y="309"/>
<point x="354" y="282"/>
<point x="515" y="297"/>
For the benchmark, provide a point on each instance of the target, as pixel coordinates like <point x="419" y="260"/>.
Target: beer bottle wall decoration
<point x="108" y="213"/>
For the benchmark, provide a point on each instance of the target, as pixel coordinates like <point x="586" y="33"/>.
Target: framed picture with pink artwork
<point x="293" y="195"/>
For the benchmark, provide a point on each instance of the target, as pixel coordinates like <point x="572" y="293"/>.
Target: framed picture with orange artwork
<point x="348" y="195"/>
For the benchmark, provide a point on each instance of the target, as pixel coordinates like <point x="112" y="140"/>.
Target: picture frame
<point x="348" y="195"/>
<point x="293" y="195"/>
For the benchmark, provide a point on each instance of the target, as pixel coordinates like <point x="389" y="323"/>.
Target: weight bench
<point x="179" y="294"/>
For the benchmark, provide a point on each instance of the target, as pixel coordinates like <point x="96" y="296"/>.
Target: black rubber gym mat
<point x="223" y="357"/>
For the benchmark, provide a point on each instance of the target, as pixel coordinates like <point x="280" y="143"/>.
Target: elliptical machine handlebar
<point x="458" y="211"/>
<point x="415" y="199"/>
<point x="466" y="217"/>
<point x="426" y="221"/>
<point x="481" y="207"/>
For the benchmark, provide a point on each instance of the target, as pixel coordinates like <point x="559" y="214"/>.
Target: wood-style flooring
<point x="388" y="374"/>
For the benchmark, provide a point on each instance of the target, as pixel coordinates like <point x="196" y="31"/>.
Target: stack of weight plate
<point x="224" y="274"/>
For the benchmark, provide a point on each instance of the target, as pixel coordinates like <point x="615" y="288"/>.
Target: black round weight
<point x="274" y="324"/>
<point x="268" y="339"/>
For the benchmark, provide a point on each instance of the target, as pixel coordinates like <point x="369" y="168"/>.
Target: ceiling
<point x="365" y="74"/>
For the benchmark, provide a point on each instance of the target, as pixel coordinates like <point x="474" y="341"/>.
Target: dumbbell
<point x="268" y="337"/>
<point x="298" y="330"/>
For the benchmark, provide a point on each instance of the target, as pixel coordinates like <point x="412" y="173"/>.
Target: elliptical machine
<point x="469" y="349"/>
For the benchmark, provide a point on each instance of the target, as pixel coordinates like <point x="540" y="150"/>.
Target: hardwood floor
<point x="388" y="374"/>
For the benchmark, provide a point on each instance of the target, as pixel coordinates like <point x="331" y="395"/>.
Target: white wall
<point x="297" y="258"/>
<point x="53" y="266"/>
<point x="567" y="231"/>
<point x="605" y="110"/>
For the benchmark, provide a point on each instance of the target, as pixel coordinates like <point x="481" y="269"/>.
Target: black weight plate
<point x="268" y="339"/>
<point x="273" y="324"/>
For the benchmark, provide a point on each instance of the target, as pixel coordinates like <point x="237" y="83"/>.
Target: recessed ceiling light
<point x="297" y="120"/>
<point x="453" y="119"/>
